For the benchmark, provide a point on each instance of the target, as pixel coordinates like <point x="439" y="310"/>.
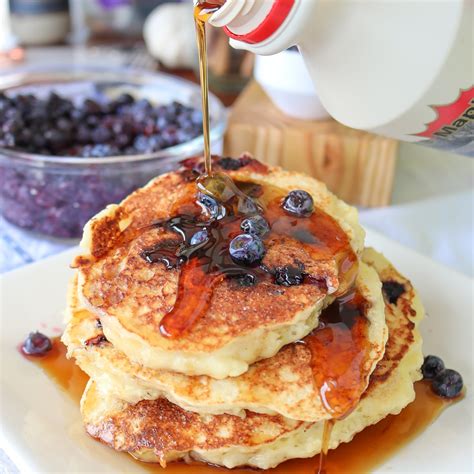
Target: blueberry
<point x="101" y="135"/>
<point x="256" y="225"/>
<point x="97" y="128"/>
<point x="12" y="126"/>
<point x="119" y="126"/>
<point x="96" y="340"/>
<point x="64" y="124"/>
<point x="432" y="366"/>
<point x="247" y="249"/>
<point x="36" y="344"/>
<point x="83" y="134"/>
<point x="393" y="290"/>
<point x="92" y="121"/>
<point x="196" y="117"/>
<point x="8" y="140"/>
<point x="122" y="140"/>
<point x="39" y="141"/>
<point x="289" y="275"/>
<point x="115" y="123"/>
<point x="55" y="138"/>
<point x="230" y="164"/>
<point x="92" y="107"/>
<point x="156" y="142"/>
<point x="211" y="206"/>
<point x="199" y="237"/>
<point x="246" y="280"/>
<point x="300" y="203"/>
<point x="142" y="104"/>
<point x="142" y="144"/>
<point x="99" y="151"/>
<point x="124" y="99"/>
<point x="447" y="384"/>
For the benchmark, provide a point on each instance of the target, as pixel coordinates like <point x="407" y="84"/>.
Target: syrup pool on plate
<point x="368" y="450"/>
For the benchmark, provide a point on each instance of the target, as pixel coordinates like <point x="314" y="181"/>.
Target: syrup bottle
<point x="394" y="68"/>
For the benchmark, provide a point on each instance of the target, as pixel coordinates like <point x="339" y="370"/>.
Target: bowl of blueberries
<point x="74" y="139"/>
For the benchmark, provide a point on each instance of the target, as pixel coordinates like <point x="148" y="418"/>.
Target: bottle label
<point x="38" y="6"/>
<point x="453" y="128"/>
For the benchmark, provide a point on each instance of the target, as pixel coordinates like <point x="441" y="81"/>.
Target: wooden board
<point x="357" y="166"/>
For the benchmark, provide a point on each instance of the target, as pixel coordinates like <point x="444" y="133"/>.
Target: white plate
<point x="40" y="428"/>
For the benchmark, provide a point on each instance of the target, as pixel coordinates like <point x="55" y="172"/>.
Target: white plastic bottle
<point x="400" y="68"/>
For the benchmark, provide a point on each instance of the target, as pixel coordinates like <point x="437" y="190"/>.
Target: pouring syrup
<point x="202" y="12"/>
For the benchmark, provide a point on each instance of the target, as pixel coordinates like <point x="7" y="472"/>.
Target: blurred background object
<point x="10" y="52"/>
<point x="357" y="166"/>
<point x="286" y="80"/>
<point x="7" y="39"/>
<point x="40" y="22"/>
<point x="169" y="35"/>
<point x="229" y="69"/>
<point x="79" y="29"/>
<point x="94" y="135"/>
<point x="107" y="18"/>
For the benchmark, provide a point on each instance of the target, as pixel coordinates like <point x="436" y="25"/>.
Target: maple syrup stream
<point x="201" y="14"/>
<point x="327" y="429"/>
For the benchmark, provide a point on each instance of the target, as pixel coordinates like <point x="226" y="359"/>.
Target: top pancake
<point x="242" y="325"/>
<point x="159" y="431"/>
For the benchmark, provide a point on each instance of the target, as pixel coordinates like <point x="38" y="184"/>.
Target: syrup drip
<point x="368" y="450"/>
<point x="339" y="350"/>
<point x="328" y="426"/>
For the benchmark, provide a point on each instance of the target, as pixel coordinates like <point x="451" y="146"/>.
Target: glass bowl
<point x="55" y="195"/>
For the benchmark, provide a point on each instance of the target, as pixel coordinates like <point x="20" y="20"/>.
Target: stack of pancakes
<point x="239" y="387"/>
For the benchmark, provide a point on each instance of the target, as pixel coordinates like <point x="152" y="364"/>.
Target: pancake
<point x="132" y="296"/>
<point x="283" y="384"/>
<point x="159" y="431"/>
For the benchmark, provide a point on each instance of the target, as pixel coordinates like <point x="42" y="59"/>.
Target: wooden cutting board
<point x="357" y="166"/>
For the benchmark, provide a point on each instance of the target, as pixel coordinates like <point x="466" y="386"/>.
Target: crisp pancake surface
<point x="283" y="384"/>
<point x="159" y="431"/>
<point x="132" y="296"/>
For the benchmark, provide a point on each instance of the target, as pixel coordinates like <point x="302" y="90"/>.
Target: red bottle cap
<point x="276" y="16"/>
